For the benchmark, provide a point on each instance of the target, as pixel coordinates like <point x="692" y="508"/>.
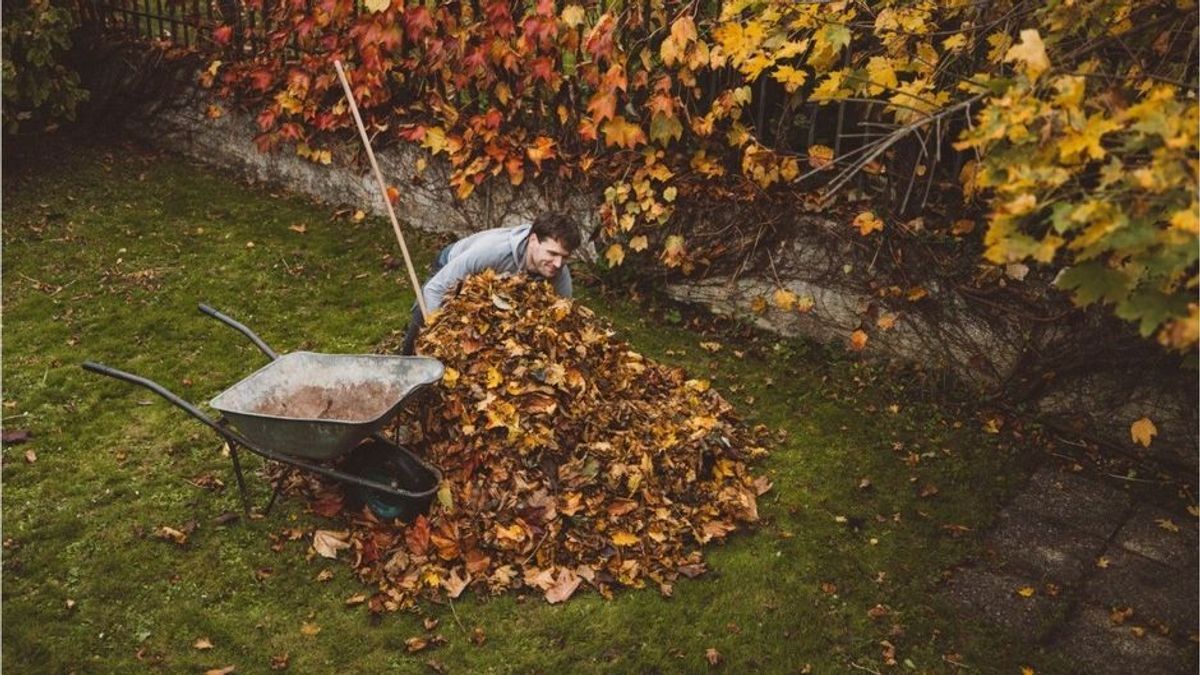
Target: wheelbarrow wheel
<point x="386" y="464"/>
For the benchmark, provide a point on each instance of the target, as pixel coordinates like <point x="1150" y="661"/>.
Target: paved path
<point x="1109" y="582"/>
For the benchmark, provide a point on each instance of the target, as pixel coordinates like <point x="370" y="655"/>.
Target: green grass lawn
<point x="106" y="252"/>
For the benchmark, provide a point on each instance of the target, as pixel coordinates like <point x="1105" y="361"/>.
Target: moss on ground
<point x="106" y="253"/>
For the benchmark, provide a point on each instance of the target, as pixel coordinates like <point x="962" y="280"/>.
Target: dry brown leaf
<point x="202" y="643"/>
<point x="327" y="542"/>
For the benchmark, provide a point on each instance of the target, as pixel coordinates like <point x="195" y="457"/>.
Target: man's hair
<point x="557" y="225"/>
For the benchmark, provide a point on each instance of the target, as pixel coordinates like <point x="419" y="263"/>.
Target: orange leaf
<point x="858" y="340"/>
<point x="867" y="222"/>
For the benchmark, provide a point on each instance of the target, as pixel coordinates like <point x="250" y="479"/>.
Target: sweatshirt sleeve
<point x="562" y="283"/>
<point x="471" y="261"/>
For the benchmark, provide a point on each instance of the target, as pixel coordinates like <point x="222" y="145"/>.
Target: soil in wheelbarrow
<point x="569" y="460"/>
<point x="360" y="402"/>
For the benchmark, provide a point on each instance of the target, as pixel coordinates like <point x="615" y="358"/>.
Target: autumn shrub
<point x="1066" y="128"/>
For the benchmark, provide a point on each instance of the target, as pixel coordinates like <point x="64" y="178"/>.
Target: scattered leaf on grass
<point x="299" y="228"/>
<point x="202" y="643"/>
<point x="280" y="661"/>
<point x="1143" y="431"/>
<point x="356" y="599"/>
<point x="877" y="612"/>
<point x="1137" y="631"/>
<point x="415" y="644"/>
<point x="309" y="629"/>
<point x="221" y="671"/>
<point x="429" y="622"/>
<point x="1102" y="562"/>
<point x="70" y="604"/>
<point x="15" y="436"/>
<point x="712" y="656"/>
<point x="325" y="575"/>
<point x="30" y="456"/>
<point x="171" y="534"/>
<point x="1167" y="524"/>
<point x="713" y="347"/>
<point x="327" y="542"/>
<point x="1118" y="615"/>
<point x="1026" y="591"/>
<point x="478" y="637"/>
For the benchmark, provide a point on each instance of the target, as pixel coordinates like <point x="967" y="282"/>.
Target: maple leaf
<point x="222" y="35"/>
<point x="377" y="5"/>
<point x="1026" y="591"/>
<point x="620" y="133"/>
<point x="712" y="656"/>
<point x="1142" y="431"/>
<point x="310" y="629"/>
<point x="1031" y="52"/>
<point x="542" y="148"/>
<point x="573" y="15"/>
<point x="639" y="243"/>
<point x="1087" y="140"/>
<point x="791" y="78"/>
<point x="615" y="255"/>
<point x="858" y="340"/>
<point x="202" y="643"/>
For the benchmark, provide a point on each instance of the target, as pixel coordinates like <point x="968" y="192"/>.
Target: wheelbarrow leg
<point x="237" y="470"/>
<point x="274" y="496"/>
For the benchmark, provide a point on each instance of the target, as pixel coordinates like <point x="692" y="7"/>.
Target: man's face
<point x="545" y="256"/>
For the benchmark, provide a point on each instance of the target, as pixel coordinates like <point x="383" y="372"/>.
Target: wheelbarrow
<point x="306" y="407"/>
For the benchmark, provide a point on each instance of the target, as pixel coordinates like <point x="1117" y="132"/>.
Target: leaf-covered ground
<point x="878" y="490"/>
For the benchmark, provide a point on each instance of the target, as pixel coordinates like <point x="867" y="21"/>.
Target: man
<point x="540" y="249"/>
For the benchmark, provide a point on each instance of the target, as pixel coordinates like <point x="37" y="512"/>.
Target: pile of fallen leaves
<point x="568" y="459"/>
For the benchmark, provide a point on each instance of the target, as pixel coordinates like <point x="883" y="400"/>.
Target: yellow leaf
<point x="858" y="340"/>
<point x="378" y="5"/>
<point x="214" y="67"/>
<point x="435" y="140"/>
<point x="758" y="305"/>
<point x="791" y="78"/>
<point x="309" y="629"/>
<point x="1026" y="670"/>
<point x="954" y="42"/>
<point x="882" y="75"/>
<point x="784" y="299"/>
<point x="820" y="156"/>
<point x="830" y="87"/>
<point x="1102" y="562"/>
<point x="805" y="305"/>
<point x="1026" y="591"/>
<point x="1031" y="52"/>
<point x="615" y="255"/>
<point x="573" y="15"/>
<point x="1087" y="141"/>
<point x="1186" y="220"/>
<point x="673" y="251"/>
<point x="494" y="378"/>
<point x="670" y="193"/>
<point x="624" y="539"/>
<point x="712" y="347"/>
<point x="867" y="222"/>
<point x="886" y="321"/>
<point x="619" y="132"/>
<point x="1142" y="431"/>
<point x="450" y="377"/>
<point x="358" y="216"/>
<point x="639" y="243"/>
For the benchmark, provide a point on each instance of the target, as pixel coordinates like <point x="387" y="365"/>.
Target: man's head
<point x="552" y="238"/>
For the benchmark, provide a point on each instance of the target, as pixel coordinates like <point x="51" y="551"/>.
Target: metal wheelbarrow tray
<point x="308" y="406"/>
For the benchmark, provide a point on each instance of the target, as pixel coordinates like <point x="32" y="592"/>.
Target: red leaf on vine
<point x="222" y="35"/>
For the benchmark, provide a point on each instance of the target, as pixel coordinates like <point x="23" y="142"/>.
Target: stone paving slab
<point x="1078" y="502"/>
<point x="1041" y="548"/>
<point x="1152" y="589"/>
<point x="1100" y="646"/>
<point x="1144" y="533"/>
<point x="992" y="596"/>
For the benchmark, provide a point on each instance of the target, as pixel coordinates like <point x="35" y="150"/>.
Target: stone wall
<point x="981" y="351"/>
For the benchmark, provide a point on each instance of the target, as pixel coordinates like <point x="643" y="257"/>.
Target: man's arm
<point x="471" y="261"/>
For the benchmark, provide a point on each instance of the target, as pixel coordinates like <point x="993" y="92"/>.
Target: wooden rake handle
<point x="362" y="132"/>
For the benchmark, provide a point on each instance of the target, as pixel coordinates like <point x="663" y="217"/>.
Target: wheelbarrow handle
<point x="158" y="389"/>
<point x="241" y="328"/>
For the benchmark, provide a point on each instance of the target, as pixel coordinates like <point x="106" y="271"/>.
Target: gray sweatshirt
<point x="501" y="249"/>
